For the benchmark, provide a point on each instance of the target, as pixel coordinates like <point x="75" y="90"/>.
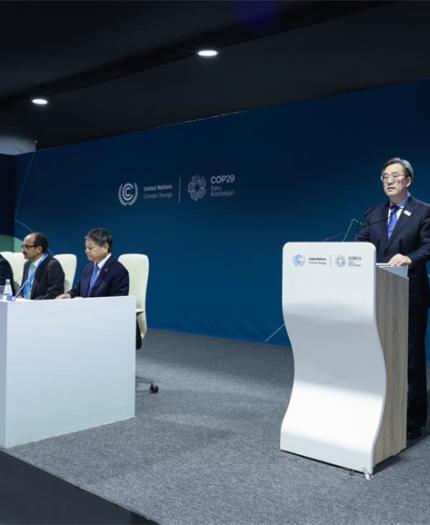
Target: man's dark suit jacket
<point x="48" y="281"/>
<point x="113" y="280"/>
<point x="411" y="237"/>
<point x="5" y="272"/>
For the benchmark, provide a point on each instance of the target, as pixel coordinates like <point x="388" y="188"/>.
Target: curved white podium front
<point x="348" y="402"/>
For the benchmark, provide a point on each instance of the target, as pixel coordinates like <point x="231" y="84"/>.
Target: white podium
<point x="65" y="366"/>
<point x="347" y="321"/>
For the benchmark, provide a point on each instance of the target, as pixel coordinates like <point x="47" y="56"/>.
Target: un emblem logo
<point x="127" y="193"/>
<point x="298" y="260"/>
<point x="197" y="187"/>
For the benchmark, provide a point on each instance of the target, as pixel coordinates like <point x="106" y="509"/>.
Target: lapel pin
<point x="407" y="212"/>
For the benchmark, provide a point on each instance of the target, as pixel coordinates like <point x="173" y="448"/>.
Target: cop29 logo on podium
<point x="340" y="261"/>
<point x="128" y="193"/>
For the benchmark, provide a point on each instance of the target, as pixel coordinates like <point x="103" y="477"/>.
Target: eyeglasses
<point x="27" y="246"/>
<point x="394" y="177"/>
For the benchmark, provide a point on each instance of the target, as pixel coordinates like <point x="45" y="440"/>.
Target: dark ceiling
<point x="114" y="67"/>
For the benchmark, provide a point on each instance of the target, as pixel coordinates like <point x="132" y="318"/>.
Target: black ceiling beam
<point x="291" y="15"/>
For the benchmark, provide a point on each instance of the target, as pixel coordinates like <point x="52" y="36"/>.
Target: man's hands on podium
<point x="399" y="260"/>
<point x="64" y="296"/>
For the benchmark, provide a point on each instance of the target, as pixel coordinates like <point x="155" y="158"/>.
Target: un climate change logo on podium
<point x="127" y="193"/>
<point x="298" y="260"/>
<point x="197" y="187"/>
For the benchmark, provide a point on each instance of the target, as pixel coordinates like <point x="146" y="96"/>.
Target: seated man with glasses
<point x="43" y="276"/>
<point x="400" y="231"/>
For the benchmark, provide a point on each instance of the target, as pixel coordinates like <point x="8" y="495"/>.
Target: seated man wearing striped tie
<point x="400" y="231"/>
<point x="43" y="276"/>
<point x="104" y="276"/>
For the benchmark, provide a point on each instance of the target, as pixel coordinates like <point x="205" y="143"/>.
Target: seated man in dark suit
<point x="43" y="276"/>
<point x="5" y="272"/>
<point x="104" y="276"/>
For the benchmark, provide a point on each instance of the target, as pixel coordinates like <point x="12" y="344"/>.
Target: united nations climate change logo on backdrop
<point x="340" y="261"/>
<point x="298" y="260"/>
<point x="197" y="187"/>
<point x="127" y="193"/>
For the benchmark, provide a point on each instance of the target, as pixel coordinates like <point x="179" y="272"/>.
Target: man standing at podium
<point x="400" y="231"/>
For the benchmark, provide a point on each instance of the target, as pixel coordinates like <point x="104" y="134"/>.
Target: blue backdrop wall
<point x="212" y="202"/>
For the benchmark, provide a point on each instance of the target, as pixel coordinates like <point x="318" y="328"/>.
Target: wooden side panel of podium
<point x="392" y="299"/>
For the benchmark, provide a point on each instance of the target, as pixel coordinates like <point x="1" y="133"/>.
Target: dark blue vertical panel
<point x="7" y="194"/>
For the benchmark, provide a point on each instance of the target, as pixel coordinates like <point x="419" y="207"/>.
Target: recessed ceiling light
<point x="39" y="101"/>
<point x="207" y="53"/>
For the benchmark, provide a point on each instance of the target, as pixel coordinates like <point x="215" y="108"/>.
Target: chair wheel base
<point x="153" y="388"/>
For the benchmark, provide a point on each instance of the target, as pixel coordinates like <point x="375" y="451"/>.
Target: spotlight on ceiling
<point x="39" y="101"/>
<point x="207" y="53"/>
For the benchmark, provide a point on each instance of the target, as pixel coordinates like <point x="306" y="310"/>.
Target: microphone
<point x="333" y="237"/>
<point x="22" y="286"/>
<point x="366" y="224"/>
<point x="344" y="235"/>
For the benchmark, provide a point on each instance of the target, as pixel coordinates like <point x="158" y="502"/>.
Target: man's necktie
<point x="392" y="220"/>
<point x="96" y="271"/>
<point x="26" y="292"/>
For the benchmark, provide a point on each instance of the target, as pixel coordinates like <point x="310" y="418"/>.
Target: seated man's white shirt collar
<point x="39" y="260"/>
<point x="103" y="262"/>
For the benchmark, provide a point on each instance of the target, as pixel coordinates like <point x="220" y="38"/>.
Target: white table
<point x="65" y="366"/>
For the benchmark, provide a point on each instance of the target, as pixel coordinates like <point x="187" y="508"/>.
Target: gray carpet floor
<point x="205" y="449"/>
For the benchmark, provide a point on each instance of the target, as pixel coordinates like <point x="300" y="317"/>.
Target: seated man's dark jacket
<point x="411" y="237"/>
<point x="48" y="281"/>
<point x="113" y="280"/>
<point x="6" y="272"/>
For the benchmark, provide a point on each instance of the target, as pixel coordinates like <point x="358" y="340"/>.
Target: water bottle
<point x="7" y="291"/>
